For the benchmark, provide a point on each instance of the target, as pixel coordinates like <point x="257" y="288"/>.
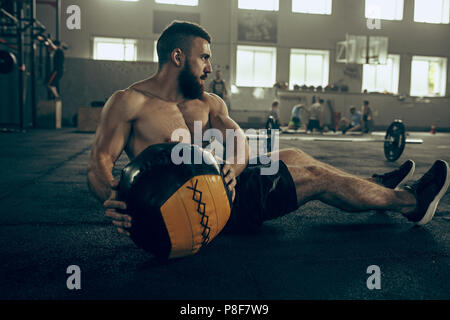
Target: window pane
<point x="115" y="49"/>
<point x="297" y="70"/>
<point x="428" y="76"/>
<point x="308" y="6"/>
<point x="384" y="9"/>
<point x="308" y="67"/>
<point x="179" y="2"/>
<point x="244" y="68"/>
<point x="419" y="78"/>
<point x="130" y="52"/>
<point x="432" y="11"/>
<point x="380" y="78"/>
<point x="263" y="70"/>
<point x="314" y="70"/>
<point x="383" y="77"/>
<point x="369" y="77"/>
<point x="268" y="5"/>
<point x="255" y="66"/>
<point x="109" y="51"/>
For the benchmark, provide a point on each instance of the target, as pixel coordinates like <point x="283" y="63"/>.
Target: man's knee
<point x="310" y="181"/>
<point x="292" y="156"/>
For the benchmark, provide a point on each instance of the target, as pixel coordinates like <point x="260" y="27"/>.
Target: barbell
<point x="393" y="143"/>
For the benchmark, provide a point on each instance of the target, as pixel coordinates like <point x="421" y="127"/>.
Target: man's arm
<point x="221" y="120"/>
<point x="110" y="140"/>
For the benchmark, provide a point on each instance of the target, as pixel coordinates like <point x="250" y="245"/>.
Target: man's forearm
<point x="99" y="180"/>
<point x="239" y="159"/>
<point x="101" y="188"/>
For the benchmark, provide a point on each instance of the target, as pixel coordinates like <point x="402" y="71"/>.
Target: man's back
<point x="315" y="110"/>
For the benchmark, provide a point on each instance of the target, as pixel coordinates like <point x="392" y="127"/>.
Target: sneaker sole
<point x="407" y="177"/>
<point x="433" y="205"/>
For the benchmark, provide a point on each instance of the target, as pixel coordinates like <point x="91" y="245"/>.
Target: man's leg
<point x="300" y="157"/>
<point x="315" y="180"/>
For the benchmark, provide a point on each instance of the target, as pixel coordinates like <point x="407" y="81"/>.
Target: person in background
<point x="295" y="122"/>
<point x="367" y="118"/>
<point x="274" y="114"/>
<point x="315" y="116"/>
<point x="355" y="122"/>
<point x="58" y="67"/>
<point x="218" y="85"/>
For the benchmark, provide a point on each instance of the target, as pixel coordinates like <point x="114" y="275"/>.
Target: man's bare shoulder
<point x="216" y="104"/>
<point x="126" y="102"/>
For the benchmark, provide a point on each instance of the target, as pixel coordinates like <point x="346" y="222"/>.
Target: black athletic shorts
<point x="261" y="197"/>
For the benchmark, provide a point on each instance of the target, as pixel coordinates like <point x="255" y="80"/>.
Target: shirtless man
<point x="149" y="111"/>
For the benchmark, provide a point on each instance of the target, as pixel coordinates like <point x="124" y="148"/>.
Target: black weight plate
<point x="394" y="141"/>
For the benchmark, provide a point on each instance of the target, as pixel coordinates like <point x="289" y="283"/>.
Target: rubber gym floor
<point x="49" y="221"/>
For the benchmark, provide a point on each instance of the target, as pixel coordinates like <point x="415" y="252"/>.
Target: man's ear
<point x="178" y="57"/>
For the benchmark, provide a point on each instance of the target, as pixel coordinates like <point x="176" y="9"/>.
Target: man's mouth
<point x="203" y="77"/>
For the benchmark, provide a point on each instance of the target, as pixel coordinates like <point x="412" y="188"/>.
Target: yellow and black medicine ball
<point x="176" y="208"/>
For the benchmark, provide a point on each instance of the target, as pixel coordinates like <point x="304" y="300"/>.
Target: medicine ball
<point x="176" y="208"/>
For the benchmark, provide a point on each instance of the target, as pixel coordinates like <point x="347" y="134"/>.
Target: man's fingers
<point x="226" y="169"/>
<point x="115" y="204"/>
<point x="232" y="184"/>
<point x="117" y="216"/>
<point x="122" y="231"/>
<point x="122" y="224"/>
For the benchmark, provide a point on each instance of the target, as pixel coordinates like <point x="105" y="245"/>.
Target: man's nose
<point x="208" y="68"/>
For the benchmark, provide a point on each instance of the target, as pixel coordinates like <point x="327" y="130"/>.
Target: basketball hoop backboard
<point x="354" y="50"/>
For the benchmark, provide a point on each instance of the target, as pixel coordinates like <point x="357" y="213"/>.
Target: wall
<point x="112" y="18"/>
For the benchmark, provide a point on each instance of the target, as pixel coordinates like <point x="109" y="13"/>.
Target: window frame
<point x="123" y="41"/>
<point x="397" y="15"/>
<point x="253" y="49"/>
<point x="325" y="65"/>
<point x="394" y="74"/>
<point x="442" y="77"/>
<point x="443" y="19"/>
<point x="329" y="8"/>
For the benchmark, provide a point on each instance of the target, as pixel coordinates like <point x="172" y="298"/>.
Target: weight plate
<point x="394" y="141"/>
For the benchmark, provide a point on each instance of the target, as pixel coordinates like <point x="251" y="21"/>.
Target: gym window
<point x="115" y="49"/>
<point x="309" y="67"/>
<point x="192" y="3"/>
<point x="432" y="11"/>
<point x="313" y="7"/>
<point x="382" y="77"/>
<point x="266" y="5"/>
<point x="428" y="76"/>
<point x="255" y="66"/>
<point x="384" y="9"/>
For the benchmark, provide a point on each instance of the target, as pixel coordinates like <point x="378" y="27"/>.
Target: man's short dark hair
<point x="366" y="102"/>
<point x="178" y="34"/>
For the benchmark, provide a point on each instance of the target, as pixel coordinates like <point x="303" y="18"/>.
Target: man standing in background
<point x="218" y="86"/>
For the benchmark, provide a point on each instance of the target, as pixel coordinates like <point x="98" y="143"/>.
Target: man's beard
<point x="190" y="87"/>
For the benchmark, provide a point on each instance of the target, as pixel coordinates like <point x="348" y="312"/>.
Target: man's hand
<point x="115" y="209"/>
<point x="230" y="179"/>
